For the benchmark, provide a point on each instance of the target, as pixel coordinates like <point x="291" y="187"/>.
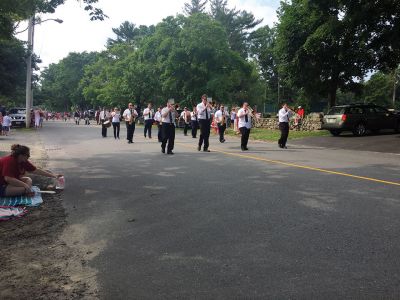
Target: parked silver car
<point x="359" y="118"/>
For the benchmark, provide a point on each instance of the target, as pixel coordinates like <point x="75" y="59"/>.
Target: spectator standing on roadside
<point x="6" y="124"/>
<point x="284" y="115"/>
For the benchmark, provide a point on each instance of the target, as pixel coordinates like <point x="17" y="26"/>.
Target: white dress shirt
<point x="242" y="118"/>
<point x="127" y="114"/>
<point x="104" y="115"/>
<point x="146" y="114"/>
<point x="218" y="116"/>
<point x="157" y="117"/>
<point x="284" y="115"/>
<point x="201" y="111"/>
<point x="115" y="117"/>
<point x="193" y="116"/>
<point x="167" y="119"/>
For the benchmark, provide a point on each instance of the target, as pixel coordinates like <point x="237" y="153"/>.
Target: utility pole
<point x="28" y="98"/>
<point x="395" y="79"/>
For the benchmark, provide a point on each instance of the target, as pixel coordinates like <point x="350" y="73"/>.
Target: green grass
<point x="274" y="135"/>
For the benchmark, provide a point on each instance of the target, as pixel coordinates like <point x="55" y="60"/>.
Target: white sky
<point x="53" y="41"/>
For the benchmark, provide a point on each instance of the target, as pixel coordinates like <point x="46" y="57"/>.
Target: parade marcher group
<point x="204" y="116"/>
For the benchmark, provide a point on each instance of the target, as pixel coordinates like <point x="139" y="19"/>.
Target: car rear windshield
<point x="336" y="111"/>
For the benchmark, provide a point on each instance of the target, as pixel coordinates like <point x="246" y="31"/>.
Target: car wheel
<point x="359" y="129"/>
<point x="397" y="127"/>
<point x="335" y="132"/>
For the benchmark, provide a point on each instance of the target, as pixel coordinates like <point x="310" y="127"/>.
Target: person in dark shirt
<point x="13" y="168"/>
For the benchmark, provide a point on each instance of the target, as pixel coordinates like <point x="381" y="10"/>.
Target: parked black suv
<point x="359" y="118"/>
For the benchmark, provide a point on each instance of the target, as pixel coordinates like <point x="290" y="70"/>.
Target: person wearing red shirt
<point x="13" y="181"/>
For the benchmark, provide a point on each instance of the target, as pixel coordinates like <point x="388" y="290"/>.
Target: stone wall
<point x="311" y="122"/>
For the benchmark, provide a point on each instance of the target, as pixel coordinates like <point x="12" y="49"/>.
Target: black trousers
<point x="284" y="128"/>
<point x="116" y="127"/>
<point x="159" y="125"/>
<point x="103" y="129"/>
<point x="221" y="131"/>
<point x="147" y="127"/>
<point x="168" y="135"/>
<point x="245" y="136"/>
<point x="130" y="130"/>
<point x="204" y="133"/>
<point x="195" y="126"/>
<point x="185" y="128"/>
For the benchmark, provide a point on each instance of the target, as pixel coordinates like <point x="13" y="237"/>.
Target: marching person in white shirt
<point x="194" y="122"/>
<point x="148" y="115"/>
<point x="168" y="115"/>
<point x="185" y="115"/>
<point x="204" y="117"/>
<point x="104" y="118"/>
<point x="220" y="117"/>
<point x="129" y="116"/>
<point x="157" y="119"/>
<point x="244" y="125"/>
<point x="284" y="115"/>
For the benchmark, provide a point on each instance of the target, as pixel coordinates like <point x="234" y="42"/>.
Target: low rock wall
<point x="311" y="122"/>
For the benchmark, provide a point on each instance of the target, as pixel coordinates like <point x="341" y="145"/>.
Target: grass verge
<point x="274" y="135"/>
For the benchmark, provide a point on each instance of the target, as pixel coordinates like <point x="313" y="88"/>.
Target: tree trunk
<point x="394" y="88"/>
<point x="332" y="92"/>
<point x="332" y="97"/>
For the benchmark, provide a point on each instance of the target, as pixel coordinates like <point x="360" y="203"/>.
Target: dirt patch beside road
<point x="38" y="261"/>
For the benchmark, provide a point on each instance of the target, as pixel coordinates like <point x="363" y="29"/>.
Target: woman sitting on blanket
<point x="12" y="171"/>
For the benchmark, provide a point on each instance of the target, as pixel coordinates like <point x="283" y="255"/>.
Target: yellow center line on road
<point x="298" y="166"/>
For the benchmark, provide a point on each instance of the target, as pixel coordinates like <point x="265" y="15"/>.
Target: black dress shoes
<point x="170" y="152"/>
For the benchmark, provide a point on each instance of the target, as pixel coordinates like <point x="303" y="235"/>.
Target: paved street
<point x="306" y="222"/>
<point x="386" y="142"/>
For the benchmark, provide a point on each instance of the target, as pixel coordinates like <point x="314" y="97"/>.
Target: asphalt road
<point x="301" y="223"/>
<point x="386" y="142"/>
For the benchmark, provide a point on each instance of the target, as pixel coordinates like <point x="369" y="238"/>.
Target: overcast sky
<point x="77" y="33"/>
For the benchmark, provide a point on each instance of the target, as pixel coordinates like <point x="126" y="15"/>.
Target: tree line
<point x="318" y="54"/>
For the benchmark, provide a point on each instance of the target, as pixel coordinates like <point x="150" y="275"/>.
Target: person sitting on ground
<point x="13" y="167"/>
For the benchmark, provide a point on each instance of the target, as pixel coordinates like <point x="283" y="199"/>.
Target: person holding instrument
<point x="148" y="115"/>
<point x="284" y="115"/>
<point x="204" y="116"/>
<point x="220" y="117"/>
<point x="13" y="181"/>
<point x="168" y="115"/>
<point x="129" y="116"/>
<point x="244" y="123"/>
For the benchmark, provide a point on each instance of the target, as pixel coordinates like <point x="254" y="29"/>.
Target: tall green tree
<point x="60" y="83"/>
<point x="127" y="32"/>
<point x="194" y="7"/>
<point x="318" y="50"/>
<point x="238" y="25"/>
